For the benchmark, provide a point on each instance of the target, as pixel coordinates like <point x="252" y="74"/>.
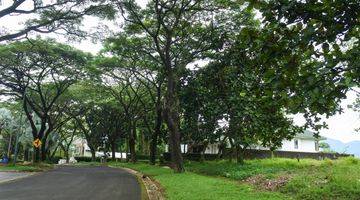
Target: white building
<point x="83" y="150"/>
<point x="302" y="142"/>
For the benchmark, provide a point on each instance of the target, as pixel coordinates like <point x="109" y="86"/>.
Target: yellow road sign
<point x="37" y="143"/>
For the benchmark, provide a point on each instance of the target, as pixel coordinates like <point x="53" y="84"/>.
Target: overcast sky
<point x="341" y="126"/>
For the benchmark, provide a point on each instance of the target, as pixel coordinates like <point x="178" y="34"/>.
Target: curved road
<point x="74" y="183"/>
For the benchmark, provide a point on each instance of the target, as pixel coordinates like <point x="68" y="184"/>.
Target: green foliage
<point x="26" y="168"/>
<point x="53" y="16"/>
<point x="356" y="107"/>
<point x="88" y="159"/>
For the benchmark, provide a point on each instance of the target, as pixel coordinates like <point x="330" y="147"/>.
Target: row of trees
<point x="260" y="62"/>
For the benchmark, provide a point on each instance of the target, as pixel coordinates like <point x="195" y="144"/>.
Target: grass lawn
<point x="307" y="179"/>
<point x="26" y="168"/>
<point x="200" y="187"/>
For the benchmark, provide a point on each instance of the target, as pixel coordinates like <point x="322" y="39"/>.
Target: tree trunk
<point x="9" y="147"/>
<point x="240" y="155"/>
<point x="127" y="151"/>
<point x="43" y="151"/>
<point x="36" y="155"/>
<point x="53" y="153"/>
<point x="141" y="144"/>
<point x="232" y="150"/>
<point x="172" y="120"/>
<point x="113" y="151"/>
<point x="67" y="155"/>
<point x="202" y="155"/>
<point x="93" y="155"/>
<point x="157" y="130"/>
<point x="153" y="148"/>
<point x="26" y="154"/>
<point x="121" y="153"/>
<point x="132" y="150"/>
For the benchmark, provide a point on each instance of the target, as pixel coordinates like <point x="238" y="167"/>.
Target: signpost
<point x="37" y="143"/>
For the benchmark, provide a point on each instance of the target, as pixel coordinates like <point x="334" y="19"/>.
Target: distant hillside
<point x="350" y="148"/>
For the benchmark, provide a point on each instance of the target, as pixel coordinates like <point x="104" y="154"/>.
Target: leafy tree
<point x="176" y="35"/>
<point x="200" y="114"/>
<point x="113" y="125"/>
<point x="6" y="130"/>
<point x="38" y="72"/>
<point x="325" y="147"/>
<point x="51" y="16"/>
<point x="127" y="95"/>
<point x="84" y="109"/>
<point x="67" y="134"/>
<point x="319" y="42"/>
<point x="142" y="67"/>
<point x="356" y="107"/>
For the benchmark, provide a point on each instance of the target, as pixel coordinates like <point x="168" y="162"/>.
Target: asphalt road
<point x="74" y="183"/>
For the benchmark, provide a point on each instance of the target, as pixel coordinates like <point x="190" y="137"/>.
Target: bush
<point x="350" y="160"/>
<point x="54" y="160"/>
<point x="192" y="156"/>
<point x="86" y="159"/>
<point x="143" y="157"/>
<point x="327" y="162"/>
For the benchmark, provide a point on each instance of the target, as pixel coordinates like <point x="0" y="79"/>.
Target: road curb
<point x="17" y="178"/>
<point x="153" y="189"/>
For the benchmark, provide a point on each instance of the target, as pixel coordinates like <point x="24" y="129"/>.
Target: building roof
<point x="309" y="135"/>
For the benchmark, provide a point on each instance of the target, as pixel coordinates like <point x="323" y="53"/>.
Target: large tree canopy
<point x="193" y="72"/>
<point x="62" y="16"/>
<point x="38" y="72"/>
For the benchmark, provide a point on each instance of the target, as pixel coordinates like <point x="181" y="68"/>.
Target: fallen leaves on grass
<point x="268" y="184"/>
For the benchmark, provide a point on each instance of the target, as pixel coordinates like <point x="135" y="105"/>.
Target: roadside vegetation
<point x="172" y="74"/>
<point x="259" y="179"/>
<point x="26" y="167"/>
<point x="194" y="186"/>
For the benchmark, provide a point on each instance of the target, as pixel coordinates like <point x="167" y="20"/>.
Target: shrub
<point x="86" y="159"/>
<point x="350" y="160"/>
<point x="54" y="160"/>
<point x="327" y="162"/>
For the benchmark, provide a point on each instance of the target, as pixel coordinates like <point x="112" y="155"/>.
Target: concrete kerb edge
<point x="18" y="178"/>
<point x="152" y="189"/>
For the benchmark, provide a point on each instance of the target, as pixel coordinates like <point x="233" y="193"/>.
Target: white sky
<point x="341" y="126"/>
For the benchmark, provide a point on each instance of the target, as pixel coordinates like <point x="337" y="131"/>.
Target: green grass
<point x="200" y="187"/>
<point x="309" y="179"/>
<point x="331" y="180"/>
<point x="25" y="168"/>
<point x="270" y="168"/>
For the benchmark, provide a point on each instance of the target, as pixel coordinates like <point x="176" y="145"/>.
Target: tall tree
<point x="38" y="72"/>
<point x="85" y="109"/>
<point x="67" y="134"/>
<point x="130" y="54"/>
<point x="177" y="33"/>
